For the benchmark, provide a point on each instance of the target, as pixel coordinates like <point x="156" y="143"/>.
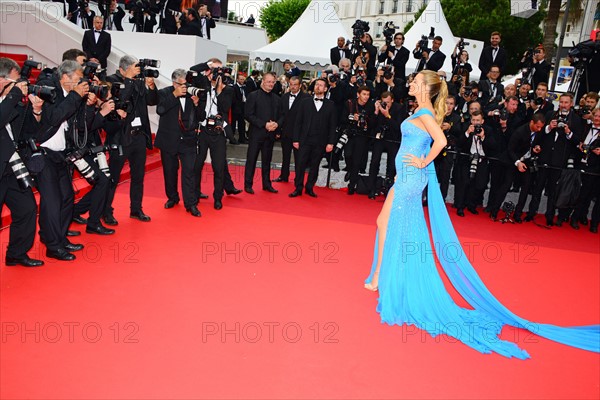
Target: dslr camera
<point x="224" y="73"/>
<point x="388" y="71"/>
<point x="145" y="65"/>
<point x="388" y="32"/>
<point x="462" y="44"/>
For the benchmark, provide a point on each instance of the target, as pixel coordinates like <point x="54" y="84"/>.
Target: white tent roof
<point x="433" y="16"/>
<point x="309" y="40"/>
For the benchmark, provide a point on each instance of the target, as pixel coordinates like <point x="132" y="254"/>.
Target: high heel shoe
<point x="371" y="287"/>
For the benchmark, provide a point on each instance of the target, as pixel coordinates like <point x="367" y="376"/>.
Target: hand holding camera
<point x="82" y="88"/>
<point x="107" y="107"/>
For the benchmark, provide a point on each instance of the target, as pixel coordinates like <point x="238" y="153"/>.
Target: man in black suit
<point x="135" y="137"/>
<point x="113" y="17"/>
<point x="339" y="52"/>
<point x="54" y="180"/>
<point x="540" y="68"/>
<point x="83" y="17"/>
<point x="541" y="103"/>
<point x="252" y="82"/>
<point x="237" y="108"/>
<point x="444" y="162"/>
<point x="206" y="21"/>
<point x="492" y="55"/>
<point x="359" y="117"/>
<point x="396" y="56"/>
<point x="18" y="198"/>
<point x="97" y="43"/>
<point x="558" y="144"/>
<point x="262" y="112"/>
<point x="191" y="25"/>
<point x="313" y="133"/>
<point x="177" y="140"/>
<point x="491" y="89"/>
<point x="288" y="119"/>
<point x="431" y="59"/>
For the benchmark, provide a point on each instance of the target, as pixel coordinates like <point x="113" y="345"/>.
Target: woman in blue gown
<point x="404" y="272"/>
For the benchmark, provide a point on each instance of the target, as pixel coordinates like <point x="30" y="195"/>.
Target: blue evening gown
<point x="412" y="292"/>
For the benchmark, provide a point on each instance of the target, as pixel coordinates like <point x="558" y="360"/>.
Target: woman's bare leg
<point x="382" y="223"/>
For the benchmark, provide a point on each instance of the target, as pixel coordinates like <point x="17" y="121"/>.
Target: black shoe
<point x="25" y="261"/>
<point x="559" y="222"/>
<point x="473" y="210"/>
<point x="280" y="179"/>
<point x="60" y="254"/>
<point x="249" y="190"/>
<point x="203" y="196"/>
<point x="78" y="219"/>
<point x="460" y="212"/>
<point x="549" y="221"/>
<point x="194" y="211"/>
<point x="583" y="221"/>
<point x="234" y="142"/>
<point x="311" y="193"/>
<point x="493" y="216"/>
<point x="171" y="203"/>
<point x="347" y="177"/>
<point x="218" y="204"/>
<point x="528" y="218"/>
<point x="73" y="233"/>
<point x="99" y="230"/>
<point x="295" y="193"/>
<point x="233" y="191"/>
<point x="518" y="220"/>
<point x="110" y="220"/>
<point x="372" y="196"/>
<point x="271" y="189"/>
<point x="574" y="224"/>
<point x="139" y="215"/>
<point x="351" y="191"/>
<point x="73" y="246"/>
<point x="594" y="229"/>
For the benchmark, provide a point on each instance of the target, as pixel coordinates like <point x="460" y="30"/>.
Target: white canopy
<point x="309" y="40"/>
<point x="433" y="16"/>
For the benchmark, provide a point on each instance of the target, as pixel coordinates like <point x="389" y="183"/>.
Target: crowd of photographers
<point x="505" y="138"/>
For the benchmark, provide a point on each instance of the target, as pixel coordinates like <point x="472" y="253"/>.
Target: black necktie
<point x="293" y="96"/>
<point x="98" y="31"/>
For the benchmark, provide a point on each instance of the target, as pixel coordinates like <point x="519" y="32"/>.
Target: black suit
<point x="114" y="24"/>
<point x="20" y="202"/>
<point x="99" y="50"/>
<point x="434" y="63"/>
<point x="261" y="107"/>
<point x="251" y="85"/>
<point x="520" y="148"/>
<point x="192" y="28"/>
<point x="177" y="140"/>
<point x="288" y="118"/>
<point x="167" y="20"/>
<point x="335" y="57"/>
<point x="210" y="24"/>
<point x="314" y="130"/>
<point x="399" y="60"/>
<point x="87" y="20"/>
<point x="590" y="184"/>
<point x="487" y="60"/>
<point x="541" y="73"/>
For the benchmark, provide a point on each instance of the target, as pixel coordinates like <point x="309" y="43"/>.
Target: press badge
<point x="136" y="122"/>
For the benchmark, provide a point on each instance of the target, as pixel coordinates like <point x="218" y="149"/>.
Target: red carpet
<point x="264" y="299"/>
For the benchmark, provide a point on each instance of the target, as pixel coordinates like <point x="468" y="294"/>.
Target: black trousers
<point x="217" y="145"/>
<point x="547" y="179"/>
<point x="379" y="147"/>
<point x="443" y="170"/>
<point x="590" y="188"/>
<point x="135" y="153"/>
<point x="355" y="151"/>
<point x="262" y="144"/>
<point x="186" y="155"/>
<point x="469" y="190"/>
<point x="309" y="155"/>
<point x="527" y="181"/>
<point x="287" y="148"/>
<point x="23" y="212"/>
<point x="95" y="200"/>
<point x="238" y="122"/>
<point x="502" y="180"/>
<point x="56" y="201"/>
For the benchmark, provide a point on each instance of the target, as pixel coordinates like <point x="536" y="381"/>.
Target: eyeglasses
<point x="179" y="83"/>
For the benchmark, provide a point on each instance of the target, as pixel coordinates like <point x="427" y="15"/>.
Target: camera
<point x="176" y="14"/>
<point x="101" y="91"/>
<point x="532" y="163"/>
<point x="424" y="42"/>
<point x="473" y="165"/>
<point x="29" y="65"/>
<point x="584" y="111"/>
<point x="341" y="142"/>
<point x="100" y="157"/>
<point x="90" y="70"/>
<point x="383" y="132"/>
<point x="145" y="64"/>
<point x="120" y="104"/>
<point x="388" y="32"/>
<point x="468" y="91"/>
<point x="477" y="129"/>
<point x="214" y="123"/>
<point x="461" y="44"/>
<point x="224" y="73"/>
<point x="359" y="28"/>
<point x="20" y="170"/>
<point x="561" y="121"/>
<point x="388" y="71"/>
<point x="333" y="78"/>
<point x="46" y="93"/>
<point x="76" y="158"/>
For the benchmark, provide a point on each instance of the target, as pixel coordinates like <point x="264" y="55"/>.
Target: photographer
<point x="86" y="140"/>
<point x="431" y="59"/>
<point x="491" y="89"/>
<point x="460" y="58"/>
<point x="192" y="23"/>
<point x="237" y="108"/>
<point x="445" y="160"/>
<point x="18" y="198"/>
<point x="492" y="55"/>
<point x="113" y="17"/>
<point x="340" y="51"/>
<point x="396" y="56"/>
<point x="359" y="121"/>
<point x="591" y="102"/>
<point x="215" y="129"/>
<point x="523" y="154"/>
<point x="469" y="95"/>
<point x="135" y="137"/>
<point x="587" y="57"/>
<point x="169" y="14"/>
<point x="314" y="134"/>
<point x="538" y="69"/>
<point x="206" y="21"/>
<point x="54" y="180"/>
<point x="388" y="117"/>
<point x="558" y="144"/>
<point x="472" y="171"/>
<point x="83" y="17"/>
<point x="540" y="103"/>
<point x="338" y="92"/>
<point x="180" y="114"/>
<point x="589" y="160"/>
<point x="386" y="81"/>
<point x="142" y="15"/>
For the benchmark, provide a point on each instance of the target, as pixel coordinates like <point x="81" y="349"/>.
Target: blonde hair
<point x="438" y="92"/>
